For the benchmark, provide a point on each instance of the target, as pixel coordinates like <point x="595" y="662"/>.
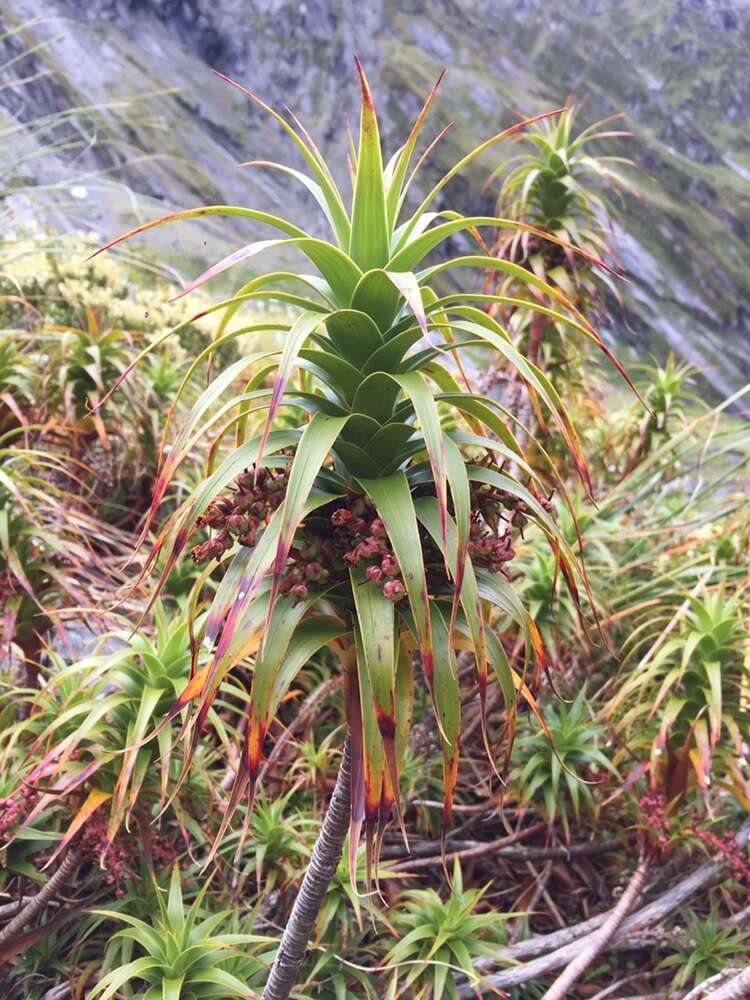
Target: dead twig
<point x="609" y="990"/>
<point x="557" y="853"/>
<point x="476" y="851"/>
<point x="599" y="940"/>
<point x="11" y="909"/>
<point x="730" y="989"/>
<point x="540" y="884"/>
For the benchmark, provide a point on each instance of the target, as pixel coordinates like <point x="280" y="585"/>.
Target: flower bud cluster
<point x="489" y="550"/>
<point x="653" y="809"/>
<point x="491" y="502"/>
<point x="365" y="539"/>
<point x="15" y="808"/>
<point x="351" y="535"/>
<point x="726" y="846"/>
<point x="114" y="859"/>
<point x="311" y="562"/>
<point x="241" y="515"/>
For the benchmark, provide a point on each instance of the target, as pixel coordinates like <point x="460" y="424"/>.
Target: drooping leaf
<point x="376" y="619"/>
<point x="395" y="506"/>
<point x="316" y="442"/>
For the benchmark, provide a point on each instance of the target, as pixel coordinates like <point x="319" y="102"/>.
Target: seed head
<point x="393" y="590"/>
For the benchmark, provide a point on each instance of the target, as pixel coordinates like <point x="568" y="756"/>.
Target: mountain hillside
<point x="679" y="70"/>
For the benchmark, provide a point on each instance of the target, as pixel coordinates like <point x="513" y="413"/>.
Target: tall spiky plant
<point x="561" y="182"/>
<point x="378" y="520"/>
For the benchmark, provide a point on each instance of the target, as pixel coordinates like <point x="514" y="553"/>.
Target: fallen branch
<point x="61" y="992"/>
<point x="11" y="909"/>
<point x="617" y="985"/>
<point x="660" y="995"/>
<point x="559" y="853"/>
<point x="733" y="989"/>
<point x="37" y="903"/>
<point x="556" y="950"/>
<point x="599" y="940"/>
<point x="739" y="917"/>
<point x="540" y="887"/>
<point x="476" y="851"/>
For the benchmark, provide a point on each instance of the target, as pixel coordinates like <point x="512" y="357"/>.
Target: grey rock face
<point x="680" y="70"/>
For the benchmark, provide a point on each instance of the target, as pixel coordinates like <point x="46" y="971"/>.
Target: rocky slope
<point x="680" y="70"/>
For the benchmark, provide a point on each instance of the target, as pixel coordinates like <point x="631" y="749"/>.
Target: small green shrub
<point x="442" y="938"/>
<point x="705" y="949"/>
<point x="180" y="956"/>
<point x="554" y="772"/>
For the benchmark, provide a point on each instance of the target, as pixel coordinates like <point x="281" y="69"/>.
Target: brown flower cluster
<point x="493" y="504"/>
<point x="15" y="808"/>
<point x="727" y="847"/>
<point x="490" y="550"/>
<point x="240" y="515"/>
<point x="351" y="534"/>
<point x="114" y="859"/>
<point x="366" y="542"/>
<point x="493" y="507"/>
<point x="653" y="809"/>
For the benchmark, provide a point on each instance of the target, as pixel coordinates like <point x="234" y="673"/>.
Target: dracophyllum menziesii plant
<point x="378" y="519"/>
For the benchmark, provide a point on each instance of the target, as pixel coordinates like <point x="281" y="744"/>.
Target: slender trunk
<point x="323" y="864"/>
<point x="37" y="903"/>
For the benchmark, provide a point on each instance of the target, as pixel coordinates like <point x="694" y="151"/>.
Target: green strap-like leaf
<point x="149" y="699"/>
<point x="309" y="636"/>
<point x="417" y="249"/>
<point x="338" y="269"/>
<point x="206" y="212"/>
<point x="393" y="501"/>
<point x="300" y="331"/>
<point x="309" y="151"/>
<point x="400" y="164"/>
<point x="316" y="442"/>
<point x="376" y="397"/>
<point x="539" y="382"/>
<point x="332" y="208"/>
<point x="355" y="334"/>
<point x="373" y="751"/>
<point x="376" y="618"/>
<point x="461" y="165"/>
<point x="377" y="296"/>
<point x="448" y="705"/>
<point x="415" y="386"/>
<point x="171" y="989"/>
<point x="427" y="513"/>
<point x="369" y="240"/>
<point x="111" y="983"/>
<point x="228" y="984"/>
<point x="334" y="371"/>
